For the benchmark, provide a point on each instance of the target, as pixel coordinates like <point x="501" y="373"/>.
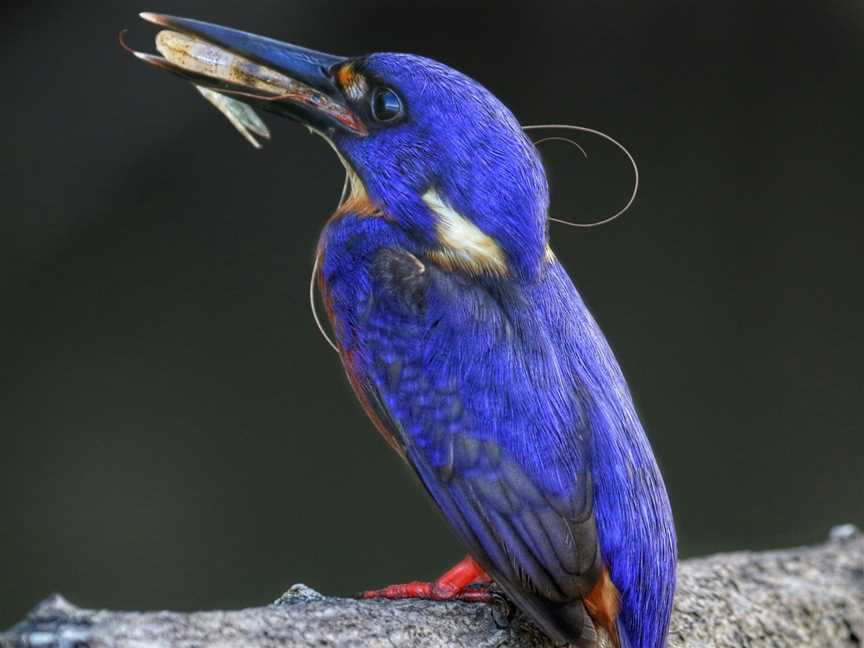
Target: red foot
<point x="451" y="586"/>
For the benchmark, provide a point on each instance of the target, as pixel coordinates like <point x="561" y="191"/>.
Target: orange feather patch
<point x="345" y="75"/>
<point x="602" y="604"/>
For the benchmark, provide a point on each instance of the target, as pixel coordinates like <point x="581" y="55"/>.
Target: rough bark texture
<point x="812" y="596"/>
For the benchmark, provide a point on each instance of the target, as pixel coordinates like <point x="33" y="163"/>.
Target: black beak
<point x="275" y="76"/>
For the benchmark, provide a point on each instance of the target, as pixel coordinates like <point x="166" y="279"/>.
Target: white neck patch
<point x="463" y="245"/>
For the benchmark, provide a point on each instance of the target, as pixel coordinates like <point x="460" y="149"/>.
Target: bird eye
<point x="386" y="105"/>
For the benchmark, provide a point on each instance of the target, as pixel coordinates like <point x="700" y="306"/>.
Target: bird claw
<point x="503" y="610"/>
<point x="466" y="581"/>
<point x="414" y="589"/>
<point x="431" y="591"/>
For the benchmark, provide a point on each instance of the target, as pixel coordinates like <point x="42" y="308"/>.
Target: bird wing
<point x="434" y="361"/>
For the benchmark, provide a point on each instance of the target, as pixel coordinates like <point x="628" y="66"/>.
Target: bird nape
<point x="462" y="335"/>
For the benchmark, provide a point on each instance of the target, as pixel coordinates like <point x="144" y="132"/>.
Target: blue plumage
<point x="506" y="399"/>
<point x="482" y="377"/>
<point x="466" y="341"/>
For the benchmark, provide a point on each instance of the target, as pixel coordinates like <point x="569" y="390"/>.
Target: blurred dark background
<point x="176" y="434"/>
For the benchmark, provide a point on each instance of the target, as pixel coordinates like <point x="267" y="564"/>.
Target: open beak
<point x="232" y="66"/>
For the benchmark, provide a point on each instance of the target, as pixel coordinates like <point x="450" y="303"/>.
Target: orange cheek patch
<point x="346" y="76"/>
<point x="352" y="83"/>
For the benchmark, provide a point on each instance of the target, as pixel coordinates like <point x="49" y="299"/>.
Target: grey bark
<point x="812" y="596"/>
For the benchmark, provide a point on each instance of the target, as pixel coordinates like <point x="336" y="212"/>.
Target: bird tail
<point x="569" y="622"/>
<point x="565" y="622"/>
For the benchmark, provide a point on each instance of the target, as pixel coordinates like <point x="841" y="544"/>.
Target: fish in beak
<point x="235" y="71"/>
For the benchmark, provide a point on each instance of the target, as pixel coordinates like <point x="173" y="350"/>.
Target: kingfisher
<point x="462" y="335"/>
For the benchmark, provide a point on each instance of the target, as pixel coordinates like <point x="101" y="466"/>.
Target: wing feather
<point x="539" y="543"/>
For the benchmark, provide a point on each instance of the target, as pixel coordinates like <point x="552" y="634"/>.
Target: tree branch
<point x="812" y="596"/>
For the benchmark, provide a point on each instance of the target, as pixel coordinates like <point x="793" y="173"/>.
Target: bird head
<point x="425" y="146"/>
